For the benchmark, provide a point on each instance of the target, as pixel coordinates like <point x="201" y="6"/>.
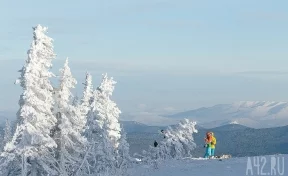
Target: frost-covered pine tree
<point x="7" y="133"/>
<point x="85" y="104"/>
<point x="104" y="113"/>
<point x="69" y="128"/>
<point x="103" y="130"/>
<point x="27" y="153"/>
<point x="178" y="143"/>
<point x="1" y="143"/>
<point x="108" y="110"/>
<point x="123" y="158"/>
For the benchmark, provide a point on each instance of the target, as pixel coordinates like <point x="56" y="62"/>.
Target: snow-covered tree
<point x="7" y="133"/>
<point x="178" y="143"/>
<point x="69" y="128"/>
<point x="1" y="143"/>
<point x="32" y="141"/>
<point x="123" y="159"/>
<point x="85" y="103"/>
<point x="104" y="114"/>
<point x="103" y="130"/>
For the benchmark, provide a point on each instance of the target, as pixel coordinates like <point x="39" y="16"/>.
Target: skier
<point x="208" y="140"/>
<point x="155" y="143"/>
<point x="213" y="145"/>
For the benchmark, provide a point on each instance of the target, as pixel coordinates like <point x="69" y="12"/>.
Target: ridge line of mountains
<point x="254" y="114"/>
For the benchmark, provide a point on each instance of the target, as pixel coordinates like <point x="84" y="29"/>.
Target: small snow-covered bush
<point x="178" y="143"/>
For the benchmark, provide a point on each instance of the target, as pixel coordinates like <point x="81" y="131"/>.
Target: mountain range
<point x="136" y="127"/>
<point x="254" y="114"/>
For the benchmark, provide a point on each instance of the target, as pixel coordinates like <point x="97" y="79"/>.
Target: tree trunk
<point x="59" y="142"/>
<point x="33" y="167"/>
<point x="24" y="166"/>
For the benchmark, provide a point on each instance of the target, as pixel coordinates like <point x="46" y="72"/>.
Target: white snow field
<point x="262" y="165"/>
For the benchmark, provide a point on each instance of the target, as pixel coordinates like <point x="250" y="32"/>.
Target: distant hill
<point x="136" y="127"/>
<point x="230" y="127"/>
<point x="255" y="114"/>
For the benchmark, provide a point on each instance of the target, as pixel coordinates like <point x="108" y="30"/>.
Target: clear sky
<point x="166" y="55"/>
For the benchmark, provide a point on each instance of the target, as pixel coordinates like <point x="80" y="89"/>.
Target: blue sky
<point x="166" y="55"/>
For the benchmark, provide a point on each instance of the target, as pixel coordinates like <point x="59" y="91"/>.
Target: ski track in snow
<point x="204" y="167"/>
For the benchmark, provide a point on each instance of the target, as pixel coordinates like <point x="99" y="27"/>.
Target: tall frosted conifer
<point x="32" y="142"/>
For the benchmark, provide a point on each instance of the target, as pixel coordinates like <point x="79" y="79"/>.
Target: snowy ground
<point x="263" y="165"/>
